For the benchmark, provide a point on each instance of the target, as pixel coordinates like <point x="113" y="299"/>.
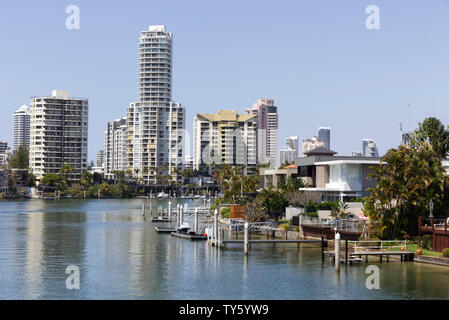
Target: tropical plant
<point x="340" y="211"/>
<point x="53" y="180"/>
<point x="20" y="159"/>
<point x="66" y="170"/>
<point x="272" y="202"/>
<point x="432" y="133"/>
<point x="291" y="184"/>
<point x="407" y="179"/>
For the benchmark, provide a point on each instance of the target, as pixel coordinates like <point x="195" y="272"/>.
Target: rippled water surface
<point x="120" y="256"/>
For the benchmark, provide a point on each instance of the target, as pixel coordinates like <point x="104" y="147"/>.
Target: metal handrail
<point x="381" y="247"/>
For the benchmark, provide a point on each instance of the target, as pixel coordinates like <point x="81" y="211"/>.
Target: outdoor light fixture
<point x="431" y="209"/>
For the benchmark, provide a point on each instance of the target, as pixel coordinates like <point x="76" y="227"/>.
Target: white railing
<point x="378" y="245"/>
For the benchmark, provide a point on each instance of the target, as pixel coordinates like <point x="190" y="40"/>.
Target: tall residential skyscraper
<point x="58" y="136"/>
<point x="324" y="135"/>
<point x="267" y="131"/>
<point x="225" y="138"/>
<point x="115" y="144"/>
<point x="21" y="127"/>
<point x="155" y="66"/>
<point x="155" y="124"/>
<point x="369" y="148"/>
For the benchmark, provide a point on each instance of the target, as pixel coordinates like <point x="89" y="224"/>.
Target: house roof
<point x="320" y="151"/>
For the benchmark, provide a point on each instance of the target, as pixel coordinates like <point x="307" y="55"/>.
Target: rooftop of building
<point x="332" y="159"/>
<point x="226" y="115"/>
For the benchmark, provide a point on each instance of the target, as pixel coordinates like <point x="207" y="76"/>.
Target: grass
<point x="413" y="247"/>
<point x="425" y="252"/>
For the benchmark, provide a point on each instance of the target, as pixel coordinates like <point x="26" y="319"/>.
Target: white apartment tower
<point x="100" y="159"/>
<point x="292" y="143"/>
<point x="369" y="148"/>
<point x="115" y="144"/>
<point x="59" y="133"/>
<point x="225" y="138"/>
<point x="155" y="123"/>
<point x="21" y="127"/>
<point x="267" y="131"/>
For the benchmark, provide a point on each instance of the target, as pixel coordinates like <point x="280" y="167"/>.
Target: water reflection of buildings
<point x="54" y="240"/>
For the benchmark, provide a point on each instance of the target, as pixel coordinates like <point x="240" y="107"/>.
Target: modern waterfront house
<point x="336" y="177"/>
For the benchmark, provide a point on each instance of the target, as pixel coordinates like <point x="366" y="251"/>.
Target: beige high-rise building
<point x="225" y="138"/>
<point x="59" y="134"/>
<point x="267" y="131"/>
<point x="311" y="144"/>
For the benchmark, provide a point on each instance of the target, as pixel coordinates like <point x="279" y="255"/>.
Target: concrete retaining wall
<point x="432" y="260"/>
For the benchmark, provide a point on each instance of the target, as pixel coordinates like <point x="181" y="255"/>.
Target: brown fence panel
<point x="237" y="211"/>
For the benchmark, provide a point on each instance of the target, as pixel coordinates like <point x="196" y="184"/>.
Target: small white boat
<point x="184" y="228"/>
<point x="162" y="195"/>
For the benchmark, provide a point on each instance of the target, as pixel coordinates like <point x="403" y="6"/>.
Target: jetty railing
<point x="363" y="246"/>
<point x="340" y="224"/>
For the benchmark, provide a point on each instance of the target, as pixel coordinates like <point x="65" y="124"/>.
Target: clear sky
<point x="315" y="58"/>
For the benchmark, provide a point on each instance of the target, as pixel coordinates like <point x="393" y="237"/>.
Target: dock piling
<point x="181" y="218"/>
<point x="346" y="251"/>
<point x="322" y="248"/>
<point x="195" y="221"/>
<point x="169" y="210"/>
<point x="215" y="226"/>
<point x="245" y="241"/>
<point x="337" y="252"/>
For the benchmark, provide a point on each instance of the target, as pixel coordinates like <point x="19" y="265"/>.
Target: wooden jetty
<point x="357" y="256"/>
<point x="193" y="237"/>
<point x="317" y="230"/>
<point x="165" y="230"/>
<point x="366" y="249"/>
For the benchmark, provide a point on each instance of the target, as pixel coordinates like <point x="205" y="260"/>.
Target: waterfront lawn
<point x="413" y="247"/>
<point x="425" y="252"/>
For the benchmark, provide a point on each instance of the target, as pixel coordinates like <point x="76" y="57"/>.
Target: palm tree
<point x="66" y="170"/>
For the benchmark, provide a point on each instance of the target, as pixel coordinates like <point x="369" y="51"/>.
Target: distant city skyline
<point x="333" y="71"/>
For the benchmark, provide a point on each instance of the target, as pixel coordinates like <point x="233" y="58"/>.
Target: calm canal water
<point x="120" y="256"/>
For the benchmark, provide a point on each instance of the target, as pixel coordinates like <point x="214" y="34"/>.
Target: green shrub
<point x="296" y="229"/>
<point x="326" y="205"/>
<point x="226" y="212"/>
<point x="310" y="206"/>
<point x="446" y="253"/>
<point x="426" y="242"/>
<point x="312" y="214"/>
<point x="284" y="226"/>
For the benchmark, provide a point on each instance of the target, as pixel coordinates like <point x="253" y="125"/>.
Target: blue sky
<point x="316" y="59"/>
